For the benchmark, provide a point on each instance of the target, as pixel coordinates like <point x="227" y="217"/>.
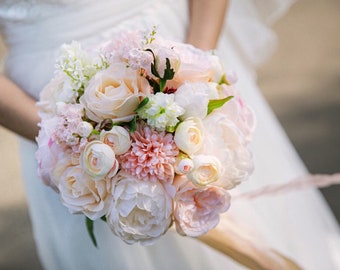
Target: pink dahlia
<point x="151" y="156"/>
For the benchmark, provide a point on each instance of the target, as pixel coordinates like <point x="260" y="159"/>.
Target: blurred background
<point x="301" y="83"/>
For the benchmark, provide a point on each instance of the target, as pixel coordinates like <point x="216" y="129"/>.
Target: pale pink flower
<point x="197" y="210"/>
<point x="151" y="156"/>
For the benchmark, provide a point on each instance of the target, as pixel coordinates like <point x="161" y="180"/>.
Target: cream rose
<point x="114" y="93"/>
<point x="98" y="159"/>
<point x="207" y="169"/>
<point x="141" y="211"/>
<point x="80" y="194"/>
<point x="189" y="135"/>
<point x="118" y="138"/>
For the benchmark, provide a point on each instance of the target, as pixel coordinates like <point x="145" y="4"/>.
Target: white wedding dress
<point x="298" y="224"/>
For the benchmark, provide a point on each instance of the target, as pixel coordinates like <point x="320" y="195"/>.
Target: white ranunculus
<point x="84" y="129"/>
<point x="207" y="169"/>
<point x="80" y="194"/>
<point x="194" y="98"/>
<point x="189" y="135"/>
<point x="118" y="138"/>
<point x="141" y="211"/>
<point x="183" y="165"/>
<point x="97" y="159"/>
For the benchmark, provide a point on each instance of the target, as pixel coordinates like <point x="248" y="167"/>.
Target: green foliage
<point x="217" y="103"/>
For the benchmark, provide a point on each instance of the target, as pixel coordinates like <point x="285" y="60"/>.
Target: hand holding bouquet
<point x="143" y="132"/>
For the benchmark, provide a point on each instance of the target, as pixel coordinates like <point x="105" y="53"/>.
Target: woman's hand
<point x="206" y="22"/>
<point x="18" y="111"/>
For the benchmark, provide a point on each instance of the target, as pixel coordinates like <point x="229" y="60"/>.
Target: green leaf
<point x="133" y="124"/>
<point x="89" y="226"/>
<point x="142" y="104"/>
<point x="103" y="218"/>
<point x="95" y="132"/>
<point x="217" y="103"/>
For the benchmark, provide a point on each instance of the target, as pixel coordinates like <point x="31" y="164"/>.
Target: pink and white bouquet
<point x="144" y="132"/>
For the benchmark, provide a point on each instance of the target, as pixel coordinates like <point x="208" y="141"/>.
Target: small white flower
<point x="84" y="129"/>
<point x="161" y="112"/>
<point x="118" y="138"/>
<point x="183" y="165"/>
<point x="97" y="160"/>
<point x="189" y="135"/>
<point x="207" y="169"/>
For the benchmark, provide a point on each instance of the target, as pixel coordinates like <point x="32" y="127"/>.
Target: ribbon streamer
<point x="308" y="181"/>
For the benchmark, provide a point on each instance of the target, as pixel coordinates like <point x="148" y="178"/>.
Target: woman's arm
<point x="18" y="111"/>
<point x="206" y="21"/>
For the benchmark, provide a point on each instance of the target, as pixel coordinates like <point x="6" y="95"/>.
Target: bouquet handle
<point x="247" y="252"/>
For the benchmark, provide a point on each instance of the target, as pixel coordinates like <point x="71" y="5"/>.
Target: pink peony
<point x="197" y="210"/>
<point x="151" y="156"/>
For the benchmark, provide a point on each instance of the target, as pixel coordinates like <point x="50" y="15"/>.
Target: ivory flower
<point x="183" y="165"/>
<point x="118" y="138"/>
<point x="140" y="211"/>
<point x="84" y="129"/>
<point x="207" y="169"/>
<point x="114" y="93"/>
<point x="80" y="194"/>
<point x="189" y="135"/>
<point x="98" y="159"/>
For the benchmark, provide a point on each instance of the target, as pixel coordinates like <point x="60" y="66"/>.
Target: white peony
<point x="194" y="98"/>
<point x="141" y="211"/>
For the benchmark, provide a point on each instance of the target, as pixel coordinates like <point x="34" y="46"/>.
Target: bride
<point x="298" y="225"/>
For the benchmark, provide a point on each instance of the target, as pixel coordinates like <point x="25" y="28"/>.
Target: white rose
<point x="118" y="138"/>
<point x="97" y="159"/>
<point x="194" y="98"/>
<point x="207" y="169"/>
<point x="84" y="129"/>
<point x="80" y="194"/>
<point x="141" y="211"/>
<point x="189" y="135"/>
<point x="114" y="93"/>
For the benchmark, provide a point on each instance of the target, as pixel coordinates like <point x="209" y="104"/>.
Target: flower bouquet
<point x="143" y="133"/>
